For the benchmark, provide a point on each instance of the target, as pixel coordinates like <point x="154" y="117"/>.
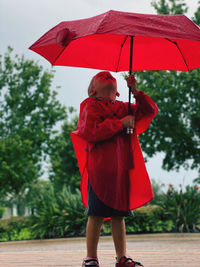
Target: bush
<point x="182" y="208"/>
<point x="174" y="211"/>
<point x="58" y="214"/>
<point x="62" y="214"/>
<point x="143" y="221"/>
<point x="13" y="228"/>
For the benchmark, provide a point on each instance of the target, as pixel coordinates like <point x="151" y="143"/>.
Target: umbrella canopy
<point x="159" y="42"/>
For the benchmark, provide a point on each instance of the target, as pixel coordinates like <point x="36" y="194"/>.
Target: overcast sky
<point x="22" y="22"/>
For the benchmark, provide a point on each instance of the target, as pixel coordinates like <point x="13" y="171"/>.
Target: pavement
<point x="152" y="250"/>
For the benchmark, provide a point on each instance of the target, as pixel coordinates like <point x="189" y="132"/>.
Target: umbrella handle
<point x="129" y="130"/>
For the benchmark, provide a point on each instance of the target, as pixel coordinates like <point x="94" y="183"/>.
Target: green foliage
<point x="28" y="112"/>
<point x="197" y="180"/>
<point x="62" y="214"/>
<point x="34" y="189"/>
<point x="2" y="209"/>
<point x="174" y="211"/>
<point x="73" y="210"/>
<point x="58" y="215"/>
<point x="18" y="164"/>
<point x="172" y="7"/>
<point x="143" y="221"/>
<point x="196" y="18"/>
<point x="15" y="228"/>
<point x="64" y="167"/>
<point x="182" y="208"/>
<point x="157" y="189"/>
<point x="176" y="128"/>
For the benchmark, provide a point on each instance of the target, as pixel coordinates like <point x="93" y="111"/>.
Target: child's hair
<point x="91" y="85"/>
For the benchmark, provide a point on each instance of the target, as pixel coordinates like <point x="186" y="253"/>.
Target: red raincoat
<point x="110" y="158"/>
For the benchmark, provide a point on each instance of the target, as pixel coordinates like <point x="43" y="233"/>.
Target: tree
<point x="64" y="168"/>
<point x="176" y="128"/>
<point x="196" y="18"/>
<point x="173" y="7"/>
<point x="28" y="112"/>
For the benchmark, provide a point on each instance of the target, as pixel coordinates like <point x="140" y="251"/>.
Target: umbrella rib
<point x="59" y="55"/>
<point x="121" y="51"/>
<point x="179" y="51"/>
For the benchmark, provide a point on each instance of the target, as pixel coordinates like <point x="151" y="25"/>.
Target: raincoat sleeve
<point x="93" y="127"/>
<point x="145" y="111"/>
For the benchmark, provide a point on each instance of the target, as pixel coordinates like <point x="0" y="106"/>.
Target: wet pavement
<point x="152" y="250"/>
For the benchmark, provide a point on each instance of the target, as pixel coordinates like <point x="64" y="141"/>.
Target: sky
<point x="23" y="22"/>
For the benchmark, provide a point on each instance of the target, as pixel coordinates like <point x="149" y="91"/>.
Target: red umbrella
<point x="120" y="41"/>
<point x="160" y="42"/>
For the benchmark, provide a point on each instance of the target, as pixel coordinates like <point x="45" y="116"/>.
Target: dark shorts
<point x="97" y="208"/>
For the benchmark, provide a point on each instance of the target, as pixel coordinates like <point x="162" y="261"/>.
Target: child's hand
<point x="131" y="82"/>
<point x="128" y="121"/>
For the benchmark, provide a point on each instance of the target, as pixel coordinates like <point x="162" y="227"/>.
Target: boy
<point x="114" y="179"/>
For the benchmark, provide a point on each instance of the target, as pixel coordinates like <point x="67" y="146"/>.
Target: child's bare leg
<point x="92" y="233"/>
<point x="119" y="236"/>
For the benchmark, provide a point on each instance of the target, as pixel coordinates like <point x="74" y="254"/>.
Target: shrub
<point x="143" y="221"/>
<point x="12" y="228"/>
<point x="182" y="208"/>
<point x="58" y="214"/>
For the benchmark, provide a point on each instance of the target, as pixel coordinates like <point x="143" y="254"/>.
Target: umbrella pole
<point x="130" y="130"/>
<point x="130" y="70"/>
